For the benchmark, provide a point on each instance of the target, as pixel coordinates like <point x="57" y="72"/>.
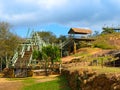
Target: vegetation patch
<point x="90" y="78"/>
<point x="59" y="84"/>
<point x="107" y="41"/>
<point x="98" y="69"/>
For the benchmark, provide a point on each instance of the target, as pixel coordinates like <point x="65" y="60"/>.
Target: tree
<point x="9" y="42"/>
<point x="37" y="55"/>
<point x="47" y="36"/>
<point x="52" y="52"/>
<point x="96" y="33"/>
<point x="62" y="38"/>
<point x="48" y="54"/>
<point x="107" y="30"/>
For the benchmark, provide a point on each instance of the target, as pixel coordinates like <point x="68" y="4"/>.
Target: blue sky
<point x="59" y="16"/>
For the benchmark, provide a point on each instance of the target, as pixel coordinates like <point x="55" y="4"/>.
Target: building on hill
<point x="80" y="34"/>
<point x="79" y="31"/>
<point x="76" y="35"/>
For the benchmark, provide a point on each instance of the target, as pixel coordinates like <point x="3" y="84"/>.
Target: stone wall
<point x="86" y="79"/>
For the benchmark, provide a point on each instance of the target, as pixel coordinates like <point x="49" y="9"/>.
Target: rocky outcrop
<point x="87" y="79"/>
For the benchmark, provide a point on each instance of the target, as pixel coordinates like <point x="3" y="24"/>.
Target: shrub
<point x="8" y="73"/>
<point x="29" y="73"/>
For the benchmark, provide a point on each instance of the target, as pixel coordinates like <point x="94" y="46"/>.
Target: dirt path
<point x="17" y="84"/>
<point x="67" y="59"/>
<point x="9" y="85"/>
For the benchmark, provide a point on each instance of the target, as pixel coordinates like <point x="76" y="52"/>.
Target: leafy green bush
<point x="52" y="52"/>
<point x="37" y="55"/>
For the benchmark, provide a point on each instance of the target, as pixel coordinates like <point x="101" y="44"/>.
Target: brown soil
<point x="92" y="51"/>
<point x="67" y="59"/>
<point x="17" y="85"/>
<point x="9" y="85"/>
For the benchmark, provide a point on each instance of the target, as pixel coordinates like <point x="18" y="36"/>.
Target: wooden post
<point x="61" y="52"/>
<point x="69" y="50"/>
<point x="61" y="48"/>
<point x="46" y="66"/>
<point x="102" y="62"/>
<point x="1" y="64"/>
<point x="74" y="47"/>
<point x="114" y="63"/>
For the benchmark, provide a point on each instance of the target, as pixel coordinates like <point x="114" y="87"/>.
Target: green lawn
<point x="59" y="84"/>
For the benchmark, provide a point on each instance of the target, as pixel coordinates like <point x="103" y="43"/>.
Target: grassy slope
<point x="59" y="84"/>
<point x="108" y="41"/>
<point x="98" y="69"/>
<point x="86" y="54"/>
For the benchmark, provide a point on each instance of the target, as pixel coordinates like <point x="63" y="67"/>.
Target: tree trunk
<point x="46" y="67"/>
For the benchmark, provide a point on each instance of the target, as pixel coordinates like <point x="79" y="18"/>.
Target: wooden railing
<point x="65" y="43"/>
<point x="14" y="59"/>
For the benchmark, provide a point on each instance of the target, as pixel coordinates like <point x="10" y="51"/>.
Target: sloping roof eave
<point x="79" y="31"/>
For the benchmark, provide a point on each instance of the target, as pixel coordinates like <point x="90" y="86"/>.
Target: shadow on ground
<point x="63" y="84"/>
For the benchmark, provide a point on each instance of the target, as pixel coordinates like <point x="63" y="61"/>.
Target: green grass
<point x="98" y="69"/>
<point x="24" y="80"/>
<point x="28" y="81"/>
<point x="59" y="84"/>
<point x="52" y="85"/>
<point x="104" y="41"/>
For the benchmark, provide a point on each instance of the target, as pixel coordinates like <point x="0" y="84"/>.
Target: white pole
<point x="6" y="61"/>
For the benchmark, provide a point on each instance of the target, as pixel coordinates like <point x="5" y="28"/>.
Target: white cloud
<point x="74" y="12"/>
<point x="1" y="10"/>
<point x="21" y="17"/>
<point x="44" y="4"/>
<point x="52" y="4"/>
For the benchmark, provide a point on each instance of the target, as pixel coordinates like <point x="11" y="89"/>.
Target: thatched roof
<point x="79" y="31"/>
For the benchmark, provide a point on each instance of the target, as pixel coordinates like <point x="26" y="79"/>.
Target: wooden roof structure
<point x="79" y="31"/>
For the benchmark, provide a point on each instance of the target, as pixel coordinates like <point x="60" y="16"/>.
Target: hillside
<point x="108" y="41"/>
<point x="90" y="53"/>
<point x="103" y="43"/>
